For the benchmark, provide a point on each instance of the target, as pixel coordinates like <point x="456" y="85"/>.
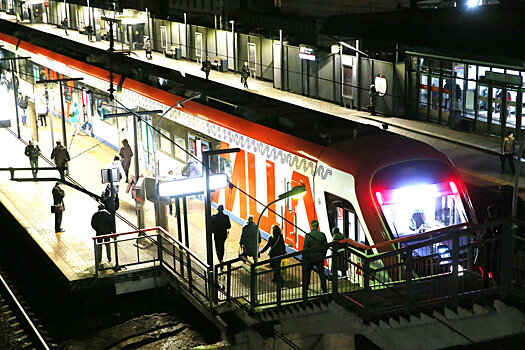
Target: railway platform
<point x="72" y="250"/>
<point x="476" y="156"/>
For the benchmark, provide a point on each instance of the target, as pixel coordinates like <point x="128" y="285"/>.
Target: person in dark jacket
<point x="126" y="153"/>
<point x="61" y="157"/>
<point x="23" y="102"/>
<point x="507" y="152"/>
<point x="89" y="32"/>
<point x="372" y="96"/>
<point x="58" y="202"/>
<point x="65" y="24"/>
<point x="111" y="202"/>
<point x="276" y="245"/>
<point x="206" y="67"/>
<point x="220" y="224"/>
<point x="245" y="74"/>
<point x="250" y="238"/>
<point x="315" y="257"/>
<point x="32" y="151"/>
<point x="102" y="223"/>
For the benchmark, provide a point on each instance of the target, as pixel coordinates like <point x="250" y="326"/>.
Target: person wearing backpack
<point x="276" y="246"/>
<point x="32" y="151"/>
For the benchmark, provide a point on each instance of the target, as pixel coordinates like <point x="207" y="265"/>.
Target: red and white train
<point x="373" y="184"/>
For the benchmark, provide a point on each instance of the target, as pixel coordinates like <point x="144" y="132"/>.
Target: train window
<point x="180" y="152"/>
<point x="419" y="196"/>
<point x="164" y="142"/>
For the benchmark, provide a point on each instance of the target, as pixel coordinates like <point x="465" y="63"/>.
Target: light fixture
<point x="191" y="185"/>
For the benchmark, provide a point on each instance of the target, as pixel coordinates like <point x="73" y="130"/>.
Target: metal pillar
<point x="15" y="91"/>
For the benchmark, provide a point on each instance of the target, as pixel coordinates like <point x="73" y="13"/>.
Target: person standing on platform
<point x="58" y="204"/>
<point x="147" y="48"/>
<point x="89" y="32"/>
<point x="126" y="153"/>
<point x="220" y="224"/>
<point x="276" y="245"/>
<point x="61" y="157"/>
<point x="32" y="151"/>
<point x="245" y="74"/>
<point x="22" y="103"/>
<point x="206" y="67"/>
<point x="315" y="258"/>
<point x="102" y="223"/>
<point x="372" y="95"/>
<point x="116" y="164"/>
<point x="65" y="25"/>
<point x="507" y="152"/>
<point x="41" y="109"/>
<point x="111" y="203"/>
<point x="73" y="119"/>
<point x="250" y="238"/>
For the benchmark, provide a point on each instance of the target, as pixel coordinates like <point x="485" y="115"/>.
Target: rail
<point x="35" y="336"/>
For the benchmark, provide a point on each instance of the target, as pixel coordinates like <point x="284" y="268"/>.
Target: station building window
<point x="448" y="92"/>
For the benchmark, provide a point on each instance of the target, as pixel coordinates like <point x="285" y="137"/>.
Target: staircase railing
<point x="441" y="269"/>
<point x="446" y="266"/>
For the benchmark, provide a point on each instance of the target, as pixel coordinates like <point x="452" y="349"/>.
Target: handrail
<point x="113" y="235"/>
<point x="184" y="247"/>
<point x="21" y="309"/>
<point x="403" y="239"/>
<point x="156" y="228"/>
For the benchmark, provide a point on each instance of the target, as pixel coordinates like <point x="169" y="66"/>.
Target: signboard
<point x="306" y="53"/>
<point x="191" y="185"/>
<point x="5" y="123"/>
<point x="502" y="78"/>
<point x="104" y="173"/>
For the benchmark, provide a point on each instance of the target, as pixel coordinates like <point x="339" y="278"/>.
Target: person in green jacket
<point x="315" y="257"/>
<point x="342" y="253"/>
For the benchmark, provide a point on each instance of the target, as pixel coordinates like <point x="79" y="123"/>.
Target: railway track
<point x="19" y="328"/>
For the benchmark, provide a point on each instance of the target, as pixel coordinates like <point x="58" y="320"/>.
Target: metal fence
<point x="400" y="276"/>
<point x="409" y="274"/>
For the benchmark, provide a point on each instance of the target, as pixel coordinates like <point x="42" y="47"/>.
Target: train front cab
<point x="420" y="197"/>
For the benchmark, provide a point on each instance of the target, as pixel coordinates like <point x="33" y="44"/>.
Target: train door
<point x="341" y="214"/>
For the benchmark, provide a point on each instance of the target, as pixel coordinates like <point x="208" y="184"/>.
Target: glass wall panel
<point x="483" y="102"/>
<point x="423" y="91"/>
<point x="482" y="70"/>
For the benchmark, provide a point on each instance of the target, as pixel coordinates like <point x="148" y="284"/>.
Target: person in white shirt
<point x="116" y="164"/>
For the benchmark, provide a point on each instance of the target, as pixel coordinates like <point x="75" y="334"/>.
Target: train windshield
<point x="419" y="196"/>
